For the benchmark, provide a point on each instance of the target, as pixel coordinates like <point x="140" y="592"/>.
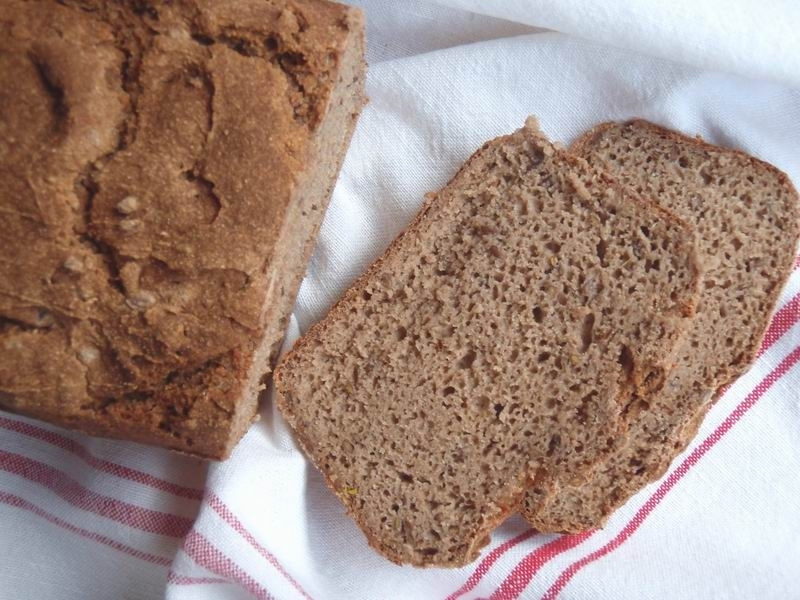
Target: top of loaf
<point x="143" y="193"/>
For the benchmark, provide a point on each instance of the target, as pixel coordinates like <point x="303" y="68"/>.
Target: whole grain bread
<point x="495" y="340"/>
<point x="746" y="214"/>
<point x="165" y="168"/>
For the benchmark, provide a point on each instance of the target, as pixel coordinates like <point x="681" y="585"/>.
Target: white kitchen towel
<point x="749" y="37"/>
<point x="95" y="519"/>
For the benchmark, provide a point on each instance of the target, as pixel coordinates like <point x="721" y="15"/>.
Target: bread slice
<point x="164" y="168"/>
<point x="746" y="215"/>
<point x="496" y="339"/>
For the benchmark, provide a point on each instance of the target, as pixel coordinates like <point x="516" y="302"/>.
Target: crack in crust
<point x="293" y="63"/>
<point x="151" y="281"/>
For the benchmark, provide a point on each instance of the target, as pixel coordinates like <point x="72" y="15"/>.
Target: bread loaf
<point x="165" y="167"/>
<point x="746" y="215"/>
<point x="494" y="341"/>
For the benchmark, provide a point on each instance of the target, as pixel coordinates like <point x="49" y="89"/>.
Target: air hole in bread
<point x="587" y="332"/>
<point x="553" y="246"/>
<point x="467" y="360"/>
<point x="555" y="442"/>
<point x="601" y="251"/>
<point x="626" y="361"/>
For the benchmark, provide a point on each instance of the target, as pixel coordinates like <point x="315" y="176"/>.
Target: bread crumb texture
<point x="153" y="155"/>
<point x="745" y="213"/>
<point x="497" y="341"/>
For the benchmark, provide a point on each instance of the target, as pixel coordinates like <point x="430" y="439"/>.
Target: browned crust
<point x="200" y="405"/>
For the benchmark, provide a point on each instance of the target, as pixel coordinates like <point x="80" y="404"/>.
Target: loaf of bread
<point x="494" y="341"/>
<point x="746" y="216"/>
<point x="164" y="170"/>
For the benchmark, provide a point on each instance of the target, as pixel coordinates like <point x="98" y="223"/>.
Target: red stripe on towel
<point x="690" y="461"/>
<point x="487" y="562"/>
<point x="783" y="320"/>
<point x="522" y="574"/>
<point x="69" y="490"/>
<point x="208" y="556"/>
<point x="225" y="513"/>
<point x="69" y="445"/>
<point x="176" y="579"/>
<point x="23" y="504"/>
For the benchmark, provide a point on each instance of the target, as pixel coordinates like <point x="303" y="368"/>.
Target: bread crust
<point x="166" y="166"/>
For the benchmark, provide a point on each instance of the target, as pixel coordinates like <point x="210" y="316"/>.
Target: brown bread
<point x="746" y="216"/>
<point x="165" y="167"/>
<point x="495" y="340"/>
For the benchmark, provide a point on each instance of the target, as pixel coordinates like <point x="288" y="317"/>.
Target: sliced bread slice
<point x="495" y="340"/>
<point x="746" y="216"/>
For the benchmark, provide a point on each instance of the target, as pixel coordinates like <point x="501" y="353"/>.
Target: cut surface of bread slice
<point x="496" y="339"/>
<point x="745" y="213"/>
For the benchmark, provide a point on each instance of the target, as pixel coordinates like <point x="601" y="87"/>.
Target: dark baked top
<point x="148" y="151"/>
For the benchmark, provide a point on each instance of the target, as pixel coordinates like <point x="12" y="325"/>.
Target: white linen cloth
<point x="94" y="519"/>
